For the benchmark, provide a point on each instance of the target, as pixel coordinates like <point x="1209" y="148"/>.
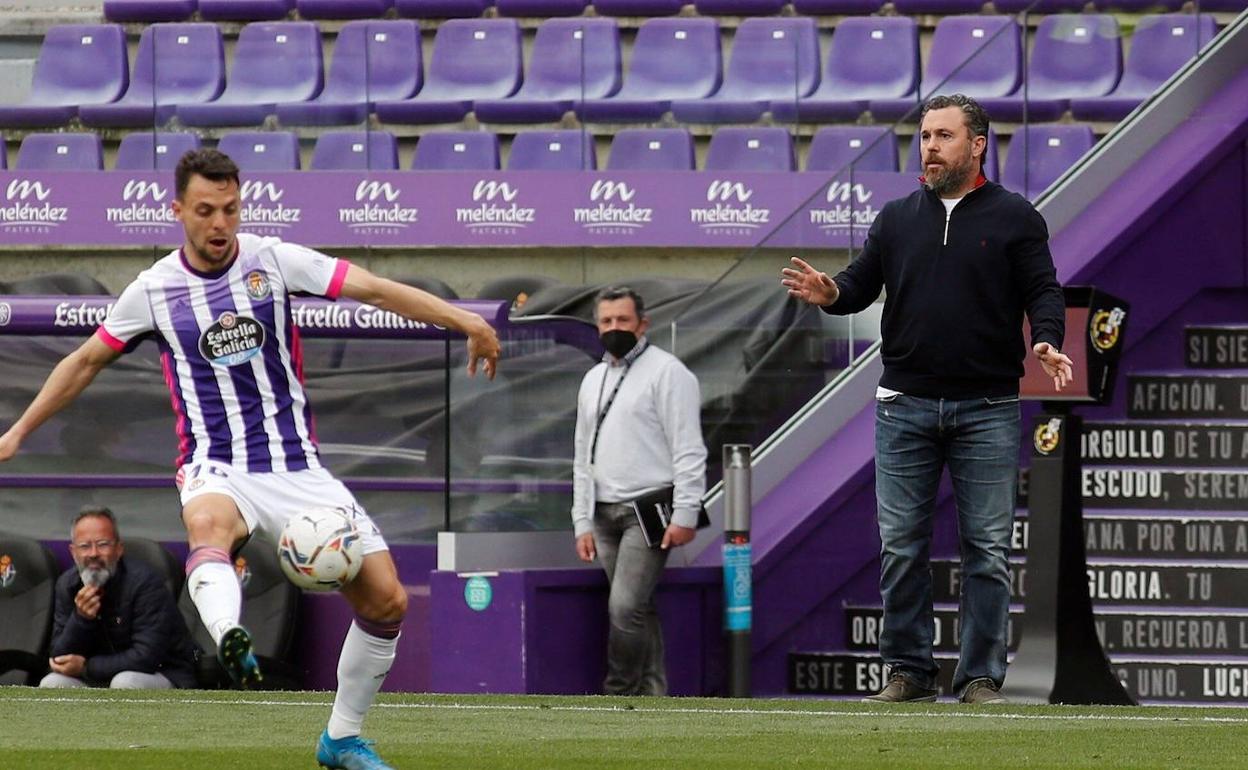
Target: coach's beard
<point x="96" y="575"/>
<point x="950" y="179"/>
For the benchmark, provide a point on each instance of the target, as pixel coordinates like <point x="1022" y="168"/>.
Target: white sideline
<point x="924" y="714"/>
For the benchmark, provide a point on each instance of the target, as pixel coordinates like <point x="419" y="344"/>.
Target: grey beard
<point x="94" y="576"/>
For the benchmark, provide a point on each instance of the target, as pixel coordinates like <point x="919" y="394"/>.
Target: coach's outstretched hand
<point x="1056" y="364"/>
<point x="482" y="347"/>
<point x="808" y="284"/>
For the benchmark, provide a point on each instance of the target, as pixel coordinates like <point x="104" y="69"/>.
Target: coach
<point x="116" y="624"/>
<point x="961" y="260"/>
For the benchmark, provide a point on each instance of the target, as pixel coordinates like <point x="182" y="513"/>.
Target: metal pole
<point x="738" y="587"/>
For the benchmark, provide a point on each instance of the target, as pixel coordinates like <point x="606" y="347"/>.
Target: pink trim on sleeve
<point x="110" y="340"/>
<point x="340" y="277"/>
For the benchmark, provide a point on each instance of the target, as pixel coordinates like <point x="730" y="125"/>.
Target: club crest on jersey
<point x="243" y="570"/>
<point x="257" y="284"/>
<point x="232" y="340"/>
<point x="8" y="571"/>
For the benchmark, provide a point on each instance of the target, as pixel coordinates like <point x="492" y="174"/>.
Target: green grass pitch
<point x="194" y="729"/>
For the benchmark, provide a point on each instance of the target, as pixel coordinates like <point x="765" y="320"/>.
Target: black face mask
<point x="618" y="342"/>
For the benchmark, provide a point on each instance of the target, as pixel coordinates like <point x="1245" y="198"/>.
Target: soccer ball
<point x="320" y="550"/>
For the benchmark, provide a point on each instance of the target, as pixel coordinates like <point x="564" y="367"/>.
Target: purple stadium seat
<point x="1138" y="6"/>
<point x="373" y="61"/>
<point x="343" y="9"/>
<point x="262" y="150"/>
<point x="567" y="150"/>
<point x="1039" y="154"/>
<point x="149" y="10"/>
<point x="1042" y="6"/>
<point x="472" y="59"/>
<point x="78" y="64"/>
<point x="356" y="151"/>
<point x="980" y="56"/>
<point x="738" y="7"/>
<point x="642" y="8"/>
<point x="274" y="63"/>
<point x="992" y="168"/>
<point x="1074" y="56"/>
<point x="751" y="149"/>
<point x="147" y="151"/>
<point x="456" y="151"/>
<point x="867" y="148"/>
<point x="60" y="152"/>
<point x="938" y="7"/>
<point x="1160" y="46"/>
<point x="441" y="9"/>
<point x="175" y="64"/>
<point x="572" y="60"/>
<point x="772" y="60"/>
<point x="672" y="59"/>
<point x="541" y="8"/>
<point x="873" y="57"/>
<point x="837" y="7"/>
<point x="245" y="10"/>
<point x="652" y="149"/>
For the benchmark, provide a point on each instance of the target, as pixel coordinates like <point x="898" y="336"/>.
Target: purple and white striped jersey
<point x="230" y="354"/>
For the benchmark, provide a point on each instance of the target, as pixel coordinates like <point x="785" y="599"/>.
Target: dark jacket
<point x="138" y="627"/>
<point x="953" y="314"/>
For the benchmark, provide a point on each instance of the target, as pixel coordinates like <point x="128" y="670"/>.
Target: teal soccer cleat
<point x="351" y="753"/>
<point x="236" y="657"/>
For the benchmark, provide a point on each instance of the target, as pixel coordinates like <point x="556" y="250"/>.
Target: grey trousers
<point x="126" y="680"/>
<point x="635" y="663"/>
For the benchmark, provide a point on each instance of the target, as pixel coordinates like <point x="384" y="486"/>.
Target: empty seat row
<point x="271" y="10"/>
<point x="871" y="64"/>
<point x="1038" y="153"/>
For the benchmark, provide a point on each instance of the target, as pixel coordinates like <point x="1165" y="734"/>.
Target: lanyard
<point x="602" y="410"/>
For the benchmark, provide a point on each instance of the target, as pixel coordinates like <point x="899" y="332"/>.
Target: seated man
<point x="116" y="624"/>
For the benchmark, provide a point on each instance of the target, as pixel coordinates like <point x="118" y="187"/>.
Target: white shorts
<point x="268" y="500"/>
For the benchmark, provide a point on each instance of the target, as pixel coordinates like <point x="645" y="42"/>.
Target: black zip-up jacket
<point x="956" y="291"/>
<point x="138" y="628"/>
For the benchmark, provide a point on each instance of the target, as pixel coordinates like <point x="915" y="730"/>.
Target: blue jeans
<point x="979" y="440"/>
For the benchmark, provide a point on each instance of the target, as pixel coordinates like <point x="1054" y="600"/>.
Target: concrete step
<point x="1166" y="489"/>
<point x="1216" y="346"/>
<point x="1152" y="680"/>
<point x="1194" y="585"/>
<point x="1151" y="442"/>
<point x="1151" y="537"/>
<point x="1123" y="631"/>
<point x="1184" y="394"/>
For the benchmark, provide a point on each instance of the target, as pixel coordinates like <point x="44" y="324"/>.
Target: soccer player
<point x="219" y="308"/>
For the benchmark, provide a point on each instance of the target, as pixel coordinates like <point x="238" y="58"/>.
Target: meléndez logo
<point x="145" y="209"/>
<point x="495" y="209"/>
<point x="612" y="210"/>
<point x="29" y="207"/>
<point x="378" y="209"/>
<point x="848" y="206"/>
<point x="232" y="340"/>
<point x="731" y="212"/>
<point x="263" y="211"/>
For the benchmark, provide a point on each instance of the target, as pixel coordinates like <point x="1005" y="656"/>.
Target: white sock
<point x="218" y="597"/>
<point x="362" y="667"/>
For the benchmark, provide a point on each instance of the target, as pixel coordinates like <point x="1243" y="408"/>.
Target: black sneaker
<point x="902" y="689"/>
<point x="236" y="657"/>
<point x="983" y="691"/>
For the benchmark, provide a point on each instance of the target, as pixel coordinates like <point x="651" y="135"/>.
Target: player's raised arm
<point x="419" y="305"/>
<point x="70" y="377"/>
